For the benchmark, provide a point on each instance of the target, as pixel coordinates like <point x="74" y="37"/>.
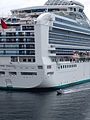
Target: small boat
<point x="60" y="92"/>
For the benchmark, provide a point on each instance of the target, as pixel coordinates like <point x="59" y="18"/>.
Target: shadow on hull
<point x="11" y="89"/>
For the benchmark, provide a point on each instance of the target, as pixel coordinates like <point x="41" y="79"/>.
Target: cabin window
<point x="71" y="9"/>
<point x="12" y="73"/>
<point x="40" y="67"/>
<point x="58" y="67"/>
<point x="28" y="73"/>
<point x="2" y="73"/>
<point x="24" y="60"/>
<point x="50" y="73"/>
<point x="74" y="9"/>
<point x="75" y="65"/>
<point x="29" y="60"/>
<point x="80" y="10"/>
<point x="34" y="60"/>
<point x="38" y="10"/>
<point x="65" y="66"/>
<point x="48" y="66"/>
<point x="61" y="66"/>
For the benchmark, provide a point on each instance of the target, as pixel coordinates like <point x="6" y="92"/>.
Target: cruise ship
<point x="45" y="46"/>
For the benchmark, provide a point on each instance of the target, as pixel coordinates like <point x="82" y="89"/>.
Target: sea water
<point x="46" y="105"/>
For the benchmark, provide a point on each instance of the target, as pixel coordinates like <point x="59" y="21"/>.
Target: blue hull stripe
<point x="73" y="84"/>
<point x="45" y="89"/>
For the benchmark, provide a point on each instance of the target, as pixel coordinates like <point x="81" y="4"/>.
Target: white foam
<point x="75" y="90"/>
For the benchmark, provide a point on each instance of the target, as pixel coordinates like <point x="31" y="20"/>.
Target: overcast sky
<point x="7" y="5"/>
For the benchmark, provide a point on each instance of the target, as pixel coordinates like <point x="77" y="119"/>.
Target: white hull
<point x="68" y="76"/>
<point x="55" y="77"/>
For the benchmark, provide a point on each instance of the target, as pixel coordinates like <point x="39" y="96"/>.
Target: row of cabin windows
<point x="20" y="46"/>
<point x="57" y="52"/>
<point x="28" y="73"/>
<point x="27" y="27"/>
<point x="67" y="66"/>
<point x="71" y="28"/>
<point x="17" y="52"/>
<point x="62" y="59"/>
<point x="43" y="10"/>
<point x="62" y="42"/>
<point x="13" y="20"/>
<point x="11" y="40"/>
<point x="72" y="49"/>
<point x="66" y="21"/>
<point x="22" y="59"/>
<point x="68" y="37"/>
<point x="71" y="59"/>
<point x="63" y="39"/>
<point x="60" y="32"/>
<point x="28" y="60"/>
<point x="18" y="34"/>
<point x="15" y="73"/>
<point x="67" y="33"/>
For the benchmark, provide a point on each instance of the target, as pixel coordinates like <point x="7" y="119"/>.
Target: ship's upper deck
<point x="67" y="8"/>
<point x="51" y="6"/>
<point x="71" y="9"/>
<point x="63" y="2"/>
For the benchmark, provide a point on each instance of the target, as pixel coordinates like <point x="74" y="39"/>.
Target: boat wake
<point x="68" y="91"/>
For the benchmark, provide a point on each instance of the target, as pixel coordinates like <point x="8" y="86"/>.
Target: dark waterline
<point x="45" y="106"/>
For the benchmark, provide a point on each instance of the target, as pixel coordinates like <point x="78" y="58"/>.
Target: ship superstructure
<point x="46" y="46"/>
